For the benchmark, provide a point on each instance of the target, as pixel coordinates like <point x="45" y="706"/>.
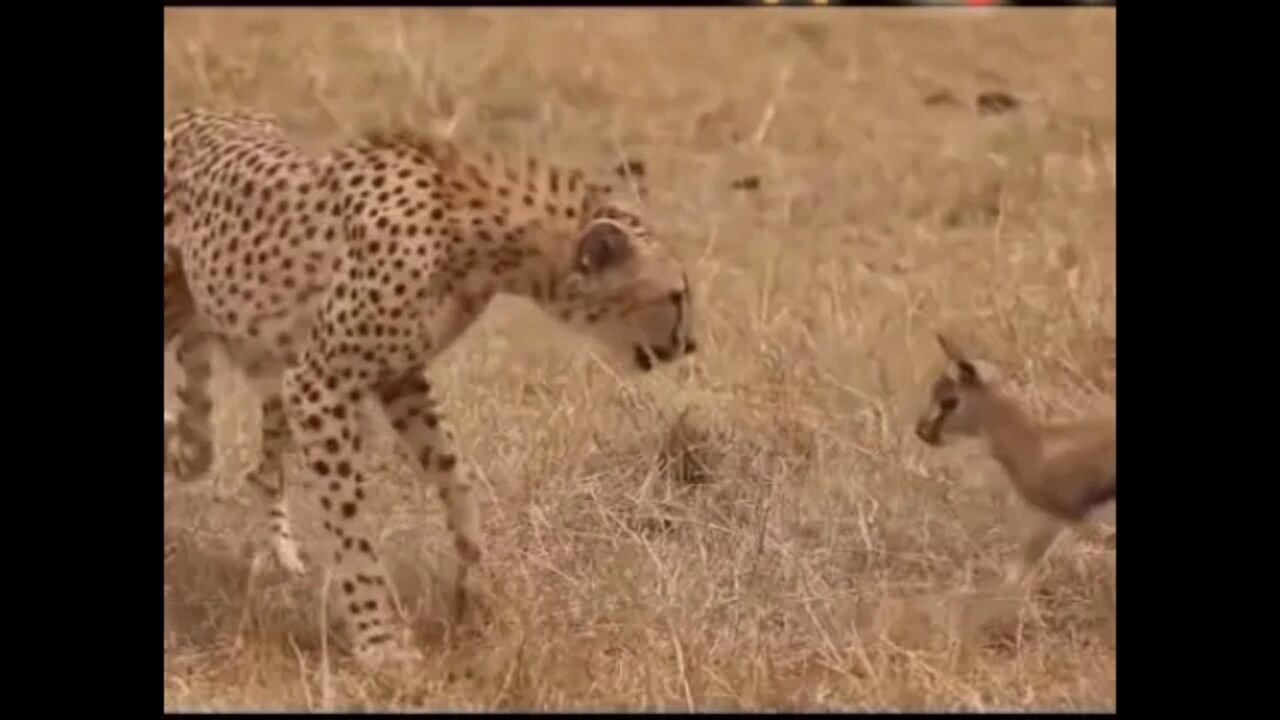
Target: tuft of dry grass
<point x="756" y="528"/>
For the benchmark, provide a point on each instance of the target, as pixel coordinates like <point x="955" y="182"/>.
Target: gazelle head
<point x="957" y="397"/>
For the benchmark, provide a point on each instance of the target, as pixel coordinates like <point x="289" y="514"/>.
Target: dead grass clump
<point x="689" y="454"/>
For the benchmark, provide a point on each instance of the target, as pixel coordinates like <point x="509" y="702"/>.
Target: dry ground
<point x="757" y="528"/>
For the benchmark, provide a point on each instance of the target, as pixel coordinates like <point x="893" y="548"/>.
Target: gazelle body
<point x="1065" y="472"/>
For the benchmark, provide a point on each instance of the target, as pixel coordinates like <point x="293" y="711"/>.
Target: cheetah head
<point x="627" y="290"/>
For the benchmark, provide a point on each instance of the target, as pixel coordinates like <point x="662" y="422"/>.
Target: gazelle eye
<point x="948" y="404"/>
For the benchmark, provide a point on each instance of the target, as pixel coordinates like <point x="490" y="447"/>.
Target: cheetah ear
<point x="632" y="173"/>
<point x="603" y="245"/>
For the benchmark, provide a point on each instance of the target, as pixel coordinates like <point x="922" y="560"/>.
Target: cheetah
<point x="331" y="280"/>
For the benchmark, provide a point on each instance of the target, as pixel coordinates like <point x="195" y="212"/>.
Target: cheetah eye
<point x="949" y="404"/>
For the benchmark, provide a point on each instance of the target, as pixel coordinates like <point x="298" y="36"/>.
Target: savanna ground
<point x="756" y="528"/>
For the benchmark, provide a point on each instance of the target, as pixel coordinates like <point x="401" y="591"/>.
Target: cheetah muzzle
<point x="646" y="354"/>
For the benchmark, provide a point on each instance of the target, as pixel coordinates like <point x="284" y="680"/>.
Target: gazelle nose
<point x="925" y="432"/>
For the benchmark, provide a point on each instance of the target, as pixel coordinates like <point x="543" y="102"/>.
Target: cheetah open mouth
<point x="645" y="355"/>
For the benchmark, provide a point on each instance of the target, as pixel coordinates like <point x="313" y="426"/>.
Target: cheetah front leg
<point x="321" y="399"/>
<point x="268" y="478"/>
<point x="188" y="432"/>
<point x="407" y="401"/>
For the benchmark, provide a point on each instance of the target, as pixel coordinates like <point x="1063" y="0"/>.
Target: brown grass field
<point x="756" y="528"/>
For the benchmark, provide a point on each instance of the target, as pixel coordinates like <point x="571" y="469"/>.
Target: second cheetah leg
<point x="188" y="432"/>
<point x="409" y="407"/>
<point x="246" y="611"/>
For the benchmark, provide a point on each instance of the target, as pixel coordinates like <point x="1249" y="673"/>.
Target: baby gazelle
<point x="1065" y="471"/>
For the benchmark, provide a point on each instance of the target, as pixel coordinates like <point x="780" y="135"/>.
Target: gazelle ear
<point x="950" y="349"/>
<point x="603" y="245"/>
<point x="987" y="374"/>
<point x="973" y="373"/>
<point x="966" y="373"/>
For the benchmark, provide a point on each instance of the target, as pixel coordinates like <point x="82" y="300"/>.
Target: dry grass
<point x="757" y="528"/>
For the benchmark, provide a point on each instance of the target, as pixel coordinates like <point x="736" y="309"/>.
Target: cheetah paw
<point x="468" y="551"/>
<point x="184" y="461"/>
<point x="290" y="558"/>
<point x="1016" y="573"/>
<point x="388" y="655"/>
<point x="170" y="437"/>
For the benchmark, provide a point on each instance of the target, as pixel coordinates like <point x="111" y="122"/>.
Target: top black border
<point x="937" y="4"/>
